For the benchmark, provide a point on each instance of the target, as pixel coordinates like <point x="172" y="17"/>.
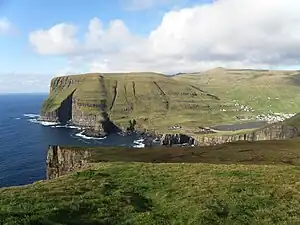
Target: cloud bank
<point x="230" y="33"/>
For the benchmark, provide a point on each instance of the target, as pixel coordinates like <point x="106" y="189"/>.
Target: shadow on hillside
<point x="243" y="152"/>
<point x="295" y="79"/>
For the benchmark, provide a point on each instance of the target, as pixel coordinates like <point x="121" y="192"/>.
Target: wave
<point x="18" y="118"/>
<point x="31" y="115"/>
<point x="34" y="118"/>
<point x="44" y="123"/>
<point x="66" y="126"/>
<point x="139" y="143"/>
<point x="81" y="135"/>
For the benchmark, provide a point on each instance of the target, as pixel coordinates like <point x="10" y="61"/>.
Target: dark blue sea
<point x="24" y="141"/>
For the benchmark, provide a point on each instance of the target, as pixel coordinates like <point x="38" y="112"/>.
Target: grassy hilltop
<point x="236" y="183"/>
<point x="263" y="90"/>
<point x="156" y="101"/>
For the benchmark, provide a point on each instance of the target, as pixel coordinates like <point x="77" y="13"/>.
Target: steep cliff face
<point x="58" y="106"/>
<point x="279" y="131"/>
<point x="96" y="99"/>
<point x="62" y="161"/>
<point x="62" y="114"/>
<point x="79" y="100"/>
<point x="80" y="117"/>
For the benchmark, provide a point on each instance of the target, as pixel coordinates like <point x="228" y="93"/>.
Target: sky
<point x="42" y="39"/>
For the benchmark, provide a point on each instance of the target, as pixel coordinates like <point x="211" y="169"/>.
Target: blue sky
<point x="25" y="16"/>
<point x="29" y="15"/>
<point x="41" y="39"/>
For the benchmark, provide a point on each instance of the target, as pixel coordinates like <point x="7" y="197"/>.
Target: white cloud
<point x="110" y="40"/>
<point x="230" y="33"/>
<point x="5" y="26"/>
<point x="58" y="39"/>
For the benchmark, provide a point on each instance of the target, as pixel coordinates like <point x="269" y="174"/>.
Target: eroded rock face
<point x="50" y="116"/>
<point x="278" y="131"/>
<point x="63" y="161"/>
<point x="81" y="118"/>
<point x="176" y="139"/>
<point x="63" y="104"/>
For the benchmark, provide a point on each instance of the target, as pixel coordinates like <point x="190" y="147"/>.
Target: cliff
<point x="278" y="131"/>
<point x="62" y="161"/>
<point x="79" y="100"/>
<point x="152" y="100"/>
<point x="287" y="129"/>
<point x="105" y="103"/>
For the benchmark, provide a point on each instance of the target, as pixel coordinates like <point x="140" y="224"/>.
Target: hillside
<point x="215" y="191"/>
<point x="263" y="91"/>
<point x="155" y="101"/>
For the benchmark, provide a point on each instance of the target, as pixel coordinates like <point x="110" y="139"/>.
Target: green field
<point x="264" y="91"/>
<point x="236" y="183"/>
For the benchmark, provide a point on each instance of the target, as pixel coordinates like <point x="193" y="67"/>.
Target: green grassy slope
<point x="156" y="101"/>
<point x="263" y="90"/>
<point x="259" y="152"/>
<point x="163" y="193"/>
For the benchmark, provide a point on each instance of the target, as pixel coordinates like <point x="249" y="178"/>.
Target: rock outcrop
<point x="61" y="161"/>
<point x="81" y="101"/>
<point x="278" y="131"/>
<point x="176" y="139"/>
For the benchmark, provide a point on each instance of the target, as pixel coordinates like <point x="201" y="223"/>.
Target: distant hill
<point x="263" y="90"/>
<point x="155" y="101"/>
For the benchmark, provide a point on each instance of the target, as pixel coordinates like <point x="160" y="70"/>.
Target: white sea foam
<point x="18" y="118"/>
<point x="31" y="115"/>
<point x="81" y="135"/>
<point x="66" y="126"/>
<point x="44" y="123"/>
<point x="139" y="141"/>
<point x="34" y="118"/>
<point x="141" y="145"/>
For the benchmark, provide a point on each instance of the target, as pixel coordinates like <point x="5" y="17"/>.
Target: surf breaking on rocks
<point x="35" y="118"/>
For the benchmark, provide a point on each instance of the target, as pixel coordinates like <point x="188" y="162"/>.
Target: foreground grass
<point x="140" y="193"/>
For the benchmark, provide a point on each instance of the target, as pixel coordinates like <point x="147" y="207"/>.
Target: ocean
<point x="24" y="141"/>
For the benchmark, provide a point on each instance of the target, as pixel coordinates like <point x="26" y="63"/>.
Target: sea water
<point x="24" y="140"/>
